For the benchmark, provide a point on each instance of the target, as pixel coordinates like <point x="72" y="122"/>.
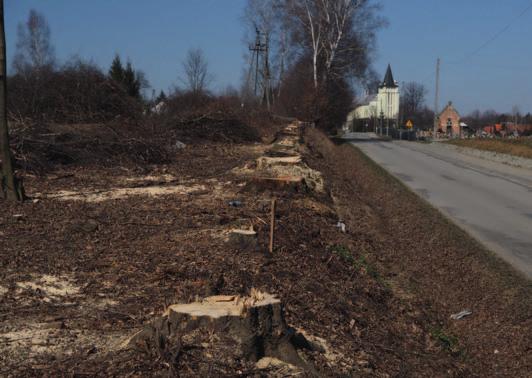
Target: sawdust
<point x="51" y="287"/>
<point x="30" y="340"/>
<point x="102" y="304"/>
<point x="121" y="193"/>
<point x="277" y="367"/>
<point x="151" y="178"/>
<point x="313" y="178"/>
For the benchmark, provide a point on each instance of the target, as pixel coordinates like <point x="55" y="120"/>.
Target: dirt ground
<point x="99" y="252"/>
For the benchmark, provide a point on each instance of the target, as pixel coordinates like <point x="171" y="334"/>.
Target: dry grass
<point x="518" y="147"/>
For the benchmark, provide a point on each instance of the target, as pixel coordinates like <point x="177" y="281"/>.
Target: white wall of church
<point x="388" y="102"/>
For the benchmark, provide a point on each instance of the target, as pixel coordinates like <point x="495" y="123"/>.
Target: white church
<point x="379" y="110"/>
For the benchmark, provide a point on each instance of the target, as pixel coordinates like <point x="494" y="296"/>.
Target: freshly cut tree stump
<point x="278" y="150"/>
<point x="288" y="141"/>
<point x="267" y="162"/>
<point x="290" y="132"/>
<point x="245" y="240"/>
<point x="290" y="183"/>
<point x="255" y="323"/>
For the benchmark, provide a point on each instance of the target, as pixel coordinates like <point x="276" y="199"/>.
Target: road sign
<point x="409" y="124"/>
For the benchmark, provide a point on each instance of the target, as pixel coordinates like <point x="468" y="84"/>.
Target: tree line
<point x="318" y="51"/>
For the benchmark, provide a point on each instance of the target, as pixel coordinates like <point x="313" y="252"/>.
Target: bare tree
<point x="337" y="35"/>
<point x="196" y="69"/>
<point x="413" y="98"/>
<point x="34" y="48"/>
<point x="10" y="187"/>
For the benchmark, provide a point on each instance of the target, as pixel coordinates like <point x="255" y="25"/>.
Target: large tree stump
<point x="282" y="183"/>
<point x="266" y="162"/>
<point x="256" y="323"/>
<point x="245" y="240"/>
<point x="279" y="150"/>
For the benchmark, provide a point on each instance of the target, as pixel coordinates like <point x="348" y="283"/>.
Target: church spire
<point x="388" y="81"/>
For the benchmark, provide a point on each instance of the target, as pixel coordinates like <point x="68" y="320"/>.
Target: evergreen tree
<point x="161" y="97"/>
<point x="131" y="81"/>
<point x="116" y="72"/>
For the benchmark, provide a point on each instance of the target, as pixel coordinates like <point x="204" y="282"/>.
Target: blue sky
<point x="156" y="34"/>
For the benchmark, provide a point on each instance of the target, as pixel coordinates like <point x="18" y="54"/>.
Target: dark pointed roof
<point x="388" y="81"/>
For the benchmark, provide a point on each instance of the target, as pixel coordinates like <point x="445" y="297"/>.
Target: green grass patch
<point x="448" y="342"/>
<point x="358" y="263"/>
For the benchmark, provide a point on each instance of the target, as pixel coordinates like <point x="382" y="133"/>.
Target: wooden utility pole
<point x="10" y="187"/>
<point x="437" y="100"/>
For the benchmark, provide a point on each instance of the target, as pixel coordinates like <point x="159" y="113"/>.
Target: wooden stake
<point x="272" y="225"/>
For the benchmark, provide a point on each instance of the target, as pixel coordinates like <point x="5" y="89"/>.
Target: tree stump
<point x="265" y="162"/>
<point x="256" y="323"/>
<point x="245" y="240"/>
<point x="283" y="183"/>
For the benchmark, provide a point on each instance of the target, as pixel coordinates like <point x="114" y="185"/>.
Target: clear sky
<point x="156" y="34"/>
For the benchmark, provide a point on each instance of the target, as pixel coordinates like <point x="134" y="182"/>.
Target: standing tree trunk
<point x="10" y="188"/>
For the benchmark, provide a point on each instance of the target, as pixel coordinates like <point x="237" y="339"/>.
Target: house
<point x="507" y="128"/>
<point x="381" y="106"/>
<point x="449" y="121"/>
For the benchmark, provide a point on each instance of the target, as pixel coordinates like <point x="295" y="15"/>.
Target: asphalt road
<point x="491" y="201"/>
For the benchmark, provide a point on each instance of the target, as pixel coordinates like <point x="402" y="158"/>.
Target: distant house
<point x="508" y="128"/>
<point x="449" y="121"/>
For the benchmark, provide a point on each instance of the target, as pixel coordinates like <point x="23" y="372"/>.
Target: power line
<point x="495" y="36"/>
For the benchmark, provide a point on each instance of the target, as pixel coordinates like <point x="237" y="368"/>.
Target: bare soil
<point x="79" y="276"/>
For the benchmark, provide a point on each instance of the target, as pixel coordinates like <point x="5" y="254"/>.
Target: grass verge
<point x="521" y="147"/>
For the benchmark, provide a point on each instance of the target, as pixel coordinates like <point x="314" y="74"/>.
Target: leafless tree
<point x="413" y="98"/>
<point x="196" y="69"/>
<point x="338" y="35"/>
<point x="10" y="187"/>
<point x="34" y="47"/>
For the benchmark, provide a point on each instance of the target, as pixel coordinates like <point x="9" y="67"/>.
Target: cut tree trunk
<point x="244" y="240"/>
<point x="265" y="162"/>
<point x="283" y="183"/>
<point x="255" y="323"/>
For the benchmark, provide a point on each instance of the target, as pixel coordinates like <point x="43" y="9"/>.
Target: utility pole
<point x="260" y="66"/>
<point x="266" y="73"/>
<point x="437" y="100"/>
<point x="10" y="188"/>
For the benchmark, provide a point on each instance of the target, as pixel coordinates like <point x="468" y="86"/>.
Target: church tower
<point x="388" y="97"/>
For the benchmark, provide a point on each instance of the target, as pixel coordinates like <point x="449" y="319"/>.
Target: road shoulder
<point x="426" y="257"/>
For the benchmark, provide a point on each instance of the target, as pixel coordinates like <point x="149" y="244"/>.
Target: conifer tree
<point x="161" y="97"/>
<point x="131" y="82"/>
<point x="116" y="72"/>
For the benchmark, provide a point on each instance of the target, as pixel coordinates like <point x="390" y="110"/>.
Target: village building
<point x="449" y="121"/>
<point x="377" y="110"/>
